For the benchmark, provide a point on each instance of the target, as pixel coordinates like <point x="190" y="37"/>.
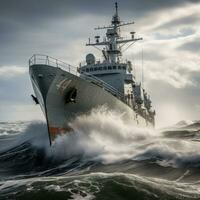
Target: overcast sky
<point x="171" y="48"/>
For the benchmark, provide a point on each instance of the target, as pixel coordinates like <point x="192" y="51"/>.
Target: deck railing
<point x="39" y="59"/>
<point x="102" y="84"/>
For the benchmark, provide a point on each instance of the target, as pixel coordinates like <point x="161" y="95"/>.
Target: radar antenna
<point x="113" y="39"/>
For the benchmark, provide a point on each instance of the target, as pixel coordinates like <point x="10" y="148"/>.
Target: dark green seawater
<point x="105" y="157"/>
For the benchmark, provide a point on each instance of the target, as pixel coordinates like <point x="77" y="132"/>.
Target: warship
<point x="65" y="92"/>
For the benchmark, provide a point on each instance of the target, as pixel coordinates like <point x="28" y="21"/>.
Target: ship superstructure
<point x="114" y="71"/>
<point x="65" y="92"/>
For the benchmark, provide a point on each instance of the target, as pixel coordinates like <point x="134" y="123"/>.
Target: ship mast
<point x="113" y="39"/>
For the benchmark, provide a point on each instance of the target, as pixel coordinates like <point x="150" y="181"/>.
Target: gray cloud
<point x="192" y="46"/>
<point x="15" y="88"/>
<point x="29" y="26"/>
<point x="39" y="9"/>
<point x="150" y="55"/>
<point x="186" y="20"/>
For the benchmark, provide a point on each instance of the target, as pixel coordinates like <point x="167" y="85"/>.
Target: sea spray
<point x="103" y="135"/>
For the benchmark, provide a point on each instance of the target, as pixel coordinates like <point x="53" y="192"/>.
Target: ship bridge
<point x="114" y="74"/>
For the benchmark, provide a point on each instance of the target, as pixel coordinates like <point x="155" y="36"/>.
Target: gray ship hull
<point x="63" y="96"/>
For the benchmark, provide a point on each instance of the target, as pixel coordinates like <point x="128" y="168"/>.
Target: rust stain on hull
<point x="55" y="131"/>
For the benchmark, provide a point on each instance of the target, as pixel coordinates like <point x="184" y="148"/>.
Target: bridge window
<point x="124" y="67"/>
<point x="95" y="69"/>
<point x="100" y="68"/>
<point x="91" y="69"/>
<point x="114" y="67"/>
<point x="87" y="70"/>
<point x="109" y="67"/>
<point x="119" y="67"/>
<point x="105" y="68"/>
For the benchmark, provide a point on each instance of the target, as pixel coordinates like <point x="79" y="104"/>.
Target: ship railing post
<point x="47" y="60"/>
<point x="34" y="59"/>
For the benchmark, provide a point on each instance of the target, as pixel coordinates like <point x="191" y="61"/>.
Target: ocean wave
<point x="105" y="156"/>
<point x="98" y="186"/>
<point x="105" y="137"/>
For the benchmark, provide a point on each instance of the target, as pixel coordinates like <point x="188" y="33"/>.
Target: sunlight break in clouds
<point x="7" y="72"/>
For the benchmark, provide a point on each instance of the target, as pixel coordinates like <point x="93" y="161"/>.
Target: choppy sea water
<point x="105" y="157"/>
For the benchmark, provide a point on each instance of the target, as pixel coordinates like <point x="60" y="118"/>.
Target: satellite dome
<point x="90" y="59"/>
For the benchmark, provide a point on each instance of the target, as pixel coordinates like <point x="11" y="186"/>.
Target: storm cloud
<point x="61" y="28"/>
<point x="191" y="46"/>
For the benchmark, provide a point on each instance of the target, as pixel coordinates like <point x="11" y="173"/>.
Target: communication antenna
<point x="142" y="68"/>
<point x="134" y="68"/>
<point x="114" y="42"/>
<point x="116" y="8"/>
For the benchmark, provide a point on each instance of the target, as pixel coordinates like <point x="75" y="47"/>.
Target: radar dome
<point x="90" y="59"/>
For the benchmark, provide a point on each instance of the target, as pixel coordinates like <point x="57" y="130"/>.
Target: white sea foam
<point x="106" y="136"/>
